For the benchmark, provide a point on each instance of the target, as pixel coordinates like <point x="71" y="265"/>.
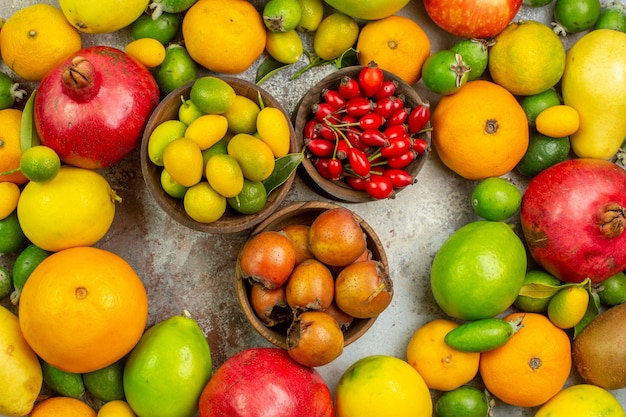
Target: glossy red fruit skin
<point x="265" y="382"/>
<point x="472" y="18"/>
<point x="95" y="124"/>
<point x="573" y="217"/>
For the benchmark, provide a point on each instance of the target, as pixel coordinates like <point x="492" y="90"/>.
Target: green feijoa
<point x="24" y="265"/>
<point x="164" y="28"/>
<point x="475" y="53"/>
<point x="465" y="401"/>
<point x="67" y="384"/>
<point x="612" y="17"/>
<point x="169" y="6"/>
<point x="542" y="152"/>
<point x="12" y="237"/>
<point x="10" y="92"/>
<point x="177" y="69"/>
<point x="574" y="16"/>
<point x="445" y="72"/>
<point x="282" y="15"/>
<point x="5" y="282"/>
<point x="482" y="335"/>
<point x="612" y="291"/>
<point x="106" y="384"/>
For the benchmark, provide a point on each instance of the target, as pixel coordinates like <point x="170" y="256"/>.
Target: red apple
<point x="479" y="19"/>
<point x="265" y="382"/>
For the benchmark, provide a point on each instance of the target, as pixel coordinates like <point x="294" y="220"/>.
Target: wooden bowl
<point x="340" y="190"/>
<point x="231" y="221"/>
<point x="303" y="213"/>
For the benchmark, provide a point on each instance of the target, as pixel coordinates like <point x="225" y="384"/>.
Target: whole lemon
<point x="103" y="16"/>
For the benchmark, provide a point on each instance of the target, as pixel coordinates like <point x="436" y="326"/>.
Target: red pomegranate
<point x="573" y="216"/>
<point x="92" y="108"/>
<point x="265" y="382"/>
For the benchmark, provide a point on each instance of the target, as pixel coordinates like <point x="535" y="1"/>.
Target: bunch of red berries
<point x="363" y="133"/>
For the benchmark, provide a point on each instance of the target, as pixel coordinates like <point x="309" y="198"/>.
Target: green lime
<point x="6" y="282"/>
<point x="251" y="199"/>
<point x="574" y="16"/>
<point x="612" y="17"/>
<point x="612" y="291"/>
<point x="496" y="199"/>
<point x="164" y="28"/>
<point x="171" y="187"/>
<point x="65" y="383"/>
<point x="218" y="148"/>
<point x="538" y="304"/>
<point x="176" y="70"/>
<point x="188" y="112"/>
<point x="536" y="3"/>
<point x="282" y="15"/>
<point x="40" y="163"/>
<point x="445" y="72"/>
<point x="11" y="235"/>
<point x="163" y="134"/>
<point x="466" y="401"/>
<point x="212" y="95"/>
<point x="106" y="384"/>
<point x="203" y="204"/>
<point x="475" y="53"/>
<point x="542" y="152"/>
<point x="242" y="115"/>
<point x="536" y="103"/>
<point x="24" y="265"/>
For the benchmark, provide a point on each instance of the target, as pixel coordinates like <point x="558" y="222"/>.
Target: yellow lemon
<point x="312" y="14"/>
<point x="102" y="16"/>
<point x="582" y="400"/>
<point x="148" y="51"/>
<point x="43" y="209"/>
<point x="242" y="115"/>
<point x="203" y="204"/>
<point x="182" y="158"/>
<point x="9" y="196"/>
<point x="116" y="408"/>
<point x="336" y="34"/>
<point x="273" y="127"/>
<point x="284" y="47"/>
<point x="207" y="130"/>
<point x="558" y="121"/>
<point x="35" y="39"/>
<point x="568" y="306"/>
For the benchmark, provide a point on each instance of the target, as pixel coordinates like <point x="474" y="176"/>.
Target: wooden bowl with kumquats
<point x="351" y="137"/>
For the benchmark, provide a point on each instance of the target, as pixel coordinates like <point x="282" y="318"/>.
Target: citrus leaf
<point x="283" y="168"/>
<point x="593" y="309"/>
<point x="537" y="290"/>
<point x="28" y="132"/>
<point x="267" y="69"/>
<point x="347" y="59"/>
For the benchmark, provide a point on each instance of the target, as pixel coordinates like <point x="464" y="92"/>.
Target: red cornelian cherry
<point x="420" y="146"/>
<point x="333" y="98"/>
<point x="358" y="162"/>
<point x="374" y="137"/>
<point x="349" y="88"/>
<point x="399" y="177"/>
<point x="379" y="186"/>
<point x="320" y="147"/>
<point x="371" y="79"/>
<point x="419" y="117"/>
<point x="403" y="160"/>
<point x="388" y="89"/>
<point x="358" y="106"/>
<point x="396" y="147"/>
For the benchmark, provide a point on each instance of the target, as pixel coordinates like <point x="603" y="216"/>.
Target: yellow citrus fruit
<point x="224" y="174"/>
<point x="242" y="115"/>
<point x="582" y="400"/>
<point x="35" y="39"/>
<point x="568" y="306"/>
<point x="224" y="36"/>
<point x="274" y="129"/>
<point x="44" y="209"/>
<point x="10" y="146"/>
<point x="203" y="204"/>
<point x="207" y="130"/>
<point x="9" y="196"/>
<point x="82" y="309"/>
<point x="284" y="47"/>
<point x="558" y="121"/>
<point x="163" y="134"/>
<point x="312" y="14"/>
<point x="148" y="51"/>
<point x="527" y="58"/>
<point x="253" y="155"/>
<point x="442" y="367"/>
<point x="397" y="44"/>
<point x="212" y="95"/>
<point x="480" y="131"/>
<point x="62" y="407"/>
<point x="116" y="408"/>
<point x="336" y="34"/>
<point x="103" y="16"/>
<point x="182" y="158"/>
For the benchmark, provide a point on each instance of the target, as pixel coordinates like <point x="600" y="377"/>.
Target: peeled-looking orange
<point x="481" y="131"/>
<point x="82" y="309"/>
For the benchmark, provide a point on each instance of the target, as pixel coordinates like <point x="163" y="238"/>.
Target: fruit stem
<point x="611" y="220"/>
<point x="79" y="78"/>
<point x="459" y="68"/>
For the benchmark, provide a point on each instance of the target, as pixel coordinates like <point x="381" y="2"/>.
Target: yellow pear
<point x="594" y="83"/>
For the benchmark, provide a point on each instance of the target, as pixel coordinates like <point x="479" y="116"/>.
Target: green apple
<point x="368" y="10"/>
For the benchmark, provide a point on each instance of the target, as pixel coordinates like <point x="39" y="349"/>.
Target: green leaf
<point x="267" y="69"/>
<point x="283" y="168"/>
<point x="28" y="132"/>
<point x="593" y="309"/>
<point x="536" y="290"/>
<point x="348" y="59"/>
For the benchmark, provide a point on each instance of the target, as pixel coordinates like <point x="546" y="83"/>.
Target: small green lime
<point x="106" y="384"/>
<point x="542" y="152"/>
<point x="65" y="383"/>
<point x="612" y="17"/>
<point x="538" y="304"/>
<point x="496" y="199"/>
<point x="536" y="103"/>
<point x="475" y="53"/>
<point x="282" y="15"/>
<point x="466" y="401"/>
<point x="40" y="163"/>
<point x="188" y="112"/>
<point x="171" y="187"/>
<point x="445" y="72"/>
<point x="212" y="95"/>
<point x="163" y="134"/>
<point x="24" y="265"/>
<point x="11" y="235"/>
<point x="6" y="282"/>
<point x="218" y="148"/>
<point x="612" y="291"/>
<point x="251" y="199"/>
<point x="164" y="28"/>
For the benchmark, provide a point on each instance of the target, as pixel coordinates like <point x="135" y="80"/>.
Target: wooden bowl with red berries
<point x="365" y="133"/>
